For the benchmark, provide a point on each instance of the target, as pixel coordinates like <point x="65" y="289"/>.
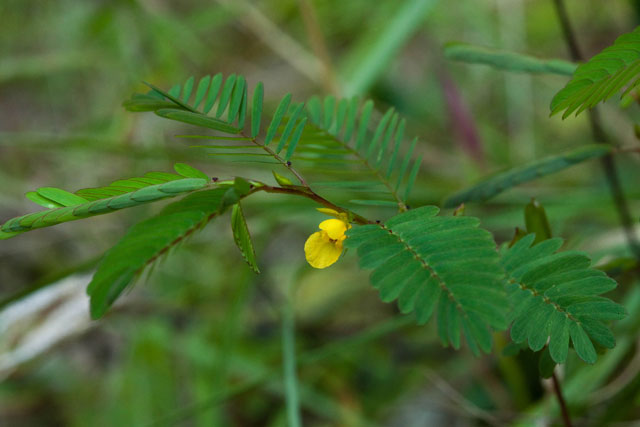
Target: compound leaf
<point x="433" y="263"/>
<point x="145" y="242"/>
<point x="554" y="296"/>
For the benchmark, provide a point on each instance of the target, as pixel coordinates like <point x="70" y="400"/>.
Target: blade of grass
<point x="289" y="365"/>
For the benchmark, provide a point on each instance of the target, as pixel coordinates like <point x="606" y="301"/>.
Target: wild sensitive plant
<point x="433" y="265"/>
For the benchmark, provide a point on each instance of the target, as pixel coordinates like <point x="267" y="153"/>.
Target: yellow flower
<point x="324" y="247"/>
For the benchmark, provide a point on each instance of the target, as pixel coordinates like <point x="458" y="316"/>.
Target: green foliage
<point x="100" y="204"/>
<point x="525" y="173"/>
<point x="128" y="185"/>
<point x="601" y="77"/>
<point x="505" y="60"/>
<point x="242" y="237"/>
<point x="189" y="171"/>
<point x="555" y="296"/>
<point x="437" y="264"/>
<point x="197" y="120"/>
<point x="427" y="262"/>
<point x="146" y="241"/>
<point x="327" y="135"/>
<point x="231" y="97"/>
<point x="210" y="348"/>
<point x="60" y="197"/>
<point x="42" y="201"/>
<point x="338" y="134"/>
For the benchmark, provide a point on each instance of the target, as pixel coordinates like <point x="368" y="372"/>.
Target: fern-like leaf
<point x="502" y="181"/>
<point x="437" y="264"/>
<point x="505" y="60"/>
<point x="128" y="185"/>
<point x="555" y="297"/>
<point x="100" y="206"/>
<point x="338" y="140"/>
<point x="603" y="76"/>
<point x="148" y="240"/>
<point x="230" y="116"/>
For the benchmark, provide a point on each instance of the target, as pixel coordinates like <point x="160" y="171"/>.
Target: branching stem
<point x="306" y="192"/>
<point x="303" y="190"/>
<point x="283" y="162"/>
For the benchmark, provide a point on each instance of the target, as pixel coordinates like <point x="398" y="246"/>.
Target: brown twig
<point x="304" y="189"/>
<point x="309" y="194"/>
<point x="563" y="405"/>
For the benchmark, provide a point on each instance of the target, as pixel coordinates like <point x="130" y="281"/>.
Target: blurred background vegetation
<point x="198" y="343"/>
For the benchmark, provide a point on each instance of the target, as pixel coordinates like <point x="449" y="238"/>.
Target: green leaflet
<point x="282" y="109"/>
<point x="171" y="97"/>
<point x="437" y="264"/>
<point x="4" y="235"/>
<point x="56" y="216"/>
<point x="293" y="118"/>
<point x="504" y="60"/>
<point x="242" y="237"/>
<point x="186" y="90"/>
<point x="412" y="177"/>
<point x="189" y="171"/>
<point x="143" y="102"/>
<point x="295" y="137"/>
<point x="174" y="91"/>
<point x="520" y="174"/>
<point x="197" y="119"/>
<point x="601" y="77"/>
<point x="555" y="296"/>
<point x="225" y="95"/>
<point x="203" y="87"/>
<point x="42" y="201"/>
<point x="212" y="94"/>
<point x="128" y="185"/>
<point x="405" y="163"/>
<point x="236" y="101"/>
<point x="145" y="242"/>
<point x="59" y="196"/>
<point x="256" y="109"/>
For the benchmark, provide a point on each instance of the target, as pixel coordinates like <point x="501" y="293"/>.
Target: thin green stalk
<point x="289" y="365"/>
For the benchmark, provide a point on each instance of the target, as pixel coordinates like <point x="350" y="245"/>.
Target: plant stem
<point x="600" y="136"/>
<point x="289" y="364"/>
<point x="563" y="405"/>
<point x="306" y="192"/>
<point x="275" y="155"/>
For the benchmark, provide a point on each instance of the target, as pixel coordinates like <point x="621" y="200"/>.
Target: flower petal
<point x="320" y="251"/>
<point x="334" y="228"/>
